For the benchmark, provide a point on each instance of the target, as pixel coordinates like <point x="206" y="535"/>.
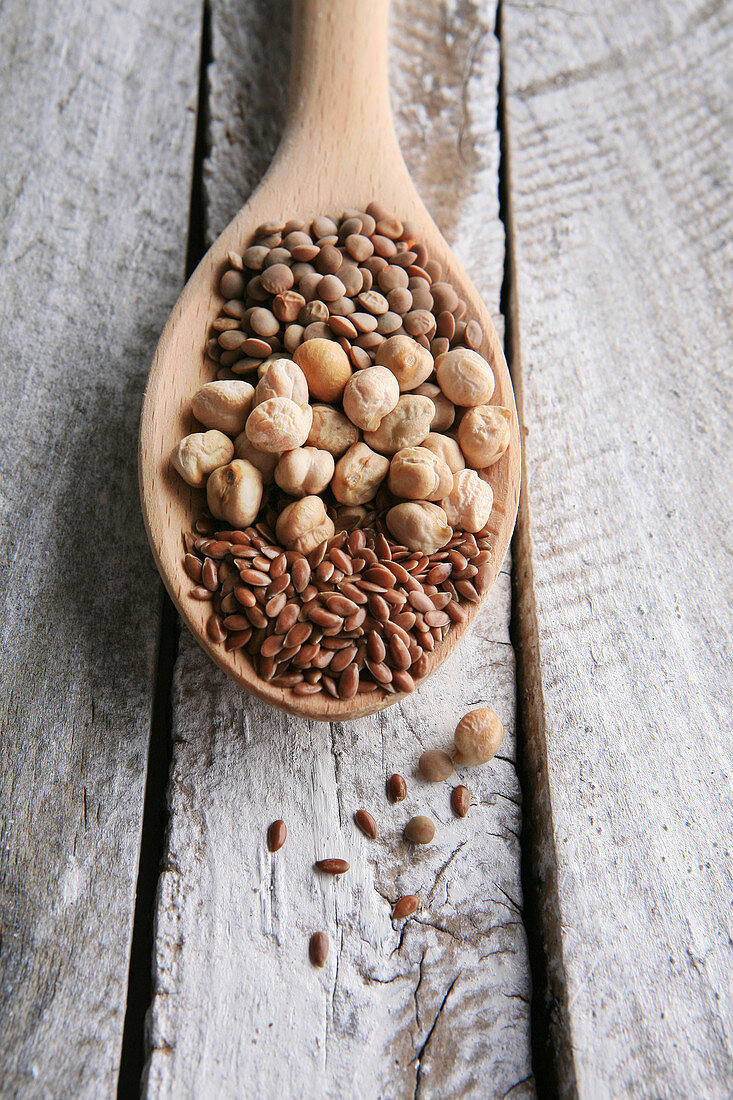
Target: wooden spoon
<point x="339" y="150"/>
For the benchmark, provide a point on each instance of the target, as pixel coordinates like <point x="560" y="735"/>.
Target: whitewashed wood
<point x="620" y="122"/>
<point x="237" y="1004"/>
<point x="96" y="137"/>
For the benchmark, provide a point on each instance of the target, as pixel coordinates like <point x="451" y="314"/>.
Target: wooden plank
<point x="621" y="191"/>
<point x="443" y="1008"/>
<point x="96" y="140"/>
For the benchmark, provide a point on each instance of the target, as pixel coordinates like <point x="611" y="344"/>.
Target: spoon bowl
<point x="339" y="150"/>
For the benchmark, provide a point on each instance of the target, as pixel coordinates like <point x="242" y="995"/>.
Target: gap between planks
<point x="552" y="1060"/>
<point x="155" y="811"/>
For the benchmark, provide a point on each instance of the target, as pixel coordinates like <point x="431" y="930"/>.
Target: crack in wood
<point x="421" y="1052"/>
<point x="512" y="902"/>
<point x="417" y="987"/>
<point x="444" y="868"/>
<point x="552" y="1059"/>
<point x="525" y="1080"/>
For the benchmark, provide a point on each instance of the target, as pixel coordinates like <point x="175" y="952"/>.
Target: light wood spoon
<point x="338" y="150"/>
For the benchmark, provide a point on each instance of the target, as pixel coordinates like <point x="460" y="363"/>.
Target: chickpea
<point x="406" y="426"/>
<point x="265" y="365"/>
<point x="445" y="447"/>
<point x="234" y="493"/>
<point x="304" y="471"/>
<point x="200" y="454"/>
<point x="223" y="405"/>
<point x="326" y="367"/>
<point x="469" y="503"/>
<point x="410" y="362"/>
<point x="418" y="474"/>
<point x="264" y="461"/>
<point x="465" y="377"/>
<point x="483" y="435"/>
<point x="304" y="524"/>
<point x="278" y="425"/>
<point x="445" y="410"/>
<point x="369" y="395"/>
<point x="331" y="431"/>
<point x="283" y="379"/>
<point x="419" y="526"/>
<point x="477" y="738"/>
<point x="358" y="475"/>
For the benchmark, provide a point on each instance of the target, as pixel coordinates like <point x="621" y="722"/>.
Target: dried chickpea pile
<point x="368" y="412"/>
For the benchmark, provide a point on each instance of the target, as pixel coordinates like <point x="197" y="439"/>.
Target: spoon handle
<point x="339" y="95"/>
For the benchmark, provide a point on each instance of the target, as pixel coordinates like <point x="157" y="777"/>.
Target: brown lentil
<point x="435" y="765"/>
<point x="419" y="830"/>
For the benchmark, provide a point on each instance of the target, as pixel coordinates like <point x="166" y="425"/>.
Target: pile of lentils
<point x="348" y="485"/>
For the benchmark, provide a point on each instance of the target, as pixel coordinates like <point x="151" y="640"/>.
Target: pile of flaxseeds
<point x="356" y="614"/>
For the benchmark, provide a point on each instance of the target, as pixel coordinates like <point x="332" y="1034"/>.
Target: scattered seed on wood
<point x="419" y="830"/>
<point x="276" y="835"/>
<point x="405" y="906"/>
<point x="366" y="823"/>
<point x="435" y="765"/>
<point x="460" y="800"/>
<point x="318" y="949"/>
<point x="332" y="866"/>
<point x="396" y="788"/>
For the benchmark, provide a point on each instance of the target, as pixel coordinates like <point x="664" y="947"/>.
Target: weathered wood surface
<point x="620" y="122"/>
<point x="96" y="138"/>
<point x="443" y="1008"/>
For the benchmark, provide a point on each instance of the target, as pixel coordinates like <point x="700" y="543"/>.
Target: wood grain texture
<point x="96" y="137"/>
<point x="442" y="1009"/>
<point x="620" y="170"/>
